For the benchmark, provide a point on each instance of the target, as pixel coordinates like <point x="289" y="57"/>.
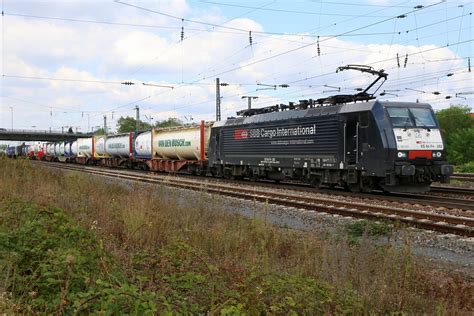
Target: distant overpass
<point x="39" y="135"/>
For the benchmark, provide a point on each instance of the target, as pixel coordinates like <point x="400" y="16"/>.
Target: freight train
<point x="353" y="141"/>
<point x="374" y="145"/>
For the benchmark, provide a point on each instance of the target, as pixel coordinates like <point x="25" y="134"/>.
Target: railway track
<point x="444" y="223"/>
<point x="453" y="190"/>
<point x="469" y="177"/>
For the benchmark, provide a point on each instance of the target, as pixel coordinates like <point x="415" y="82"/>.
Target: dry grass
<point x="136" y="222"/>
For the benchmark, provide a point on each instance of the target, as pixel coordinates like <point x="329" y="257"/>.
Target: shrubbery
<point x="458" y="130"/>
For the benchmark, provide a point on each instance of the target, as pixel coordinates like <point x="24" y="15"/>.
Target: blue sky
<point x="63" y="61"/>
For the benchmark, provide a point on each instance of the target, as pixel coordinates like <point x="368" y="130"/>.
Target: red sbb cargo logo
<point x="241" y="134"/>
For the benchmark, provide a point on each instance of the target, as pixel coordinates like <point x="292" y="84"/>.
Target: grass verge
<point x="139" y="248"/>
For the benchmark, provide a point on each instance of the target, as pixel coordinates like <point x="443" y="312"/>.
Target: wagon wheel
<point x="315" y="181"/>
<point x="354" y="187"/>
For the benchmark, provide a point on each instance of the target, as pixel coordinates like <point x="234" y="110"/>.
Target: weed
<point x="146" y="248"/>
<point x="359" y="228"/>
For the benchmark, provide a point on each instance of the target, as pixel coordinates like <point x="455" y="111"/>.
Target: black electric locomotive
<point x="393" y="146"/>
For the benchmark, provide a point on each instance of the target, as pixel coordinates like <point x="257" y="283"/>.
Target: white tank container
<point x="99" y="146"/>
<point x="61" y="149"/>
<point x="143" y="144"/>
<point x="84" y="147"/>
<point x="74" y="148"/>
<point x="67" y="149"/>
<point x="182" y="143"/>
<point x="56" y="149"/>
<point x="50" y="149"/>
<point x="118" y="146"/>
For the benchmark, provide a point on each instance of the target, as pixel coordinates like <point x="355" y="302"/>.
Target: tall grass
<point x="203" y="260"/>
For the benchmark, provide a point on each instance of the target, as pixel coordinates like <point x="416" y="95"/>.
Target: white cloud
<point x="45" y="48"/>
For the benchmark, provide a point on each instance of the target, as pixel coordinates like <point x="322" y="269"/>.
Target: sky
<point x="64" y="61"/>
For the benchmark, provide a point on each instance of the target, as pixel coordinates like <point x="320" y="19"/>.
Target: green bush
<point x="53" y="266"/>
<point x="466" y="168"/>
<point x="458" y="130"/>
<point x="460" y="149"/>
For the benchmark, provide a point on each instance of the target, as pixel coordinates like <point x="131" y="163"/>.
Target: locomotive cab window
<point x="400" y="117"/>
<point x="411" y="117"/>
<point x="364" y="119"/>
<point x="423" y="117"/>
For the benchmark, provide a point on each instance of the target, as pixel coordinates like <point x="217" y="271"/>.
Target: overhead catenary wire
<point x="191" y="83"/>
<point x="306" y="12"/>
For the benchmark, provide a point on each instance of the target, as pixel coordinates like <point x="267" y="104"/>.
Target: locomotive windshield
<point x="411" y="117"/>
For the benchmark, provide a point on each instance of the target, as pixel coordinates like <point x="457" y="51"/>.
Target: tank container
<point x="74" y="148"/>
<point x="183" y="143"/>
<point x="84" y="147"/>
<point x="143" y="144"/>
<point x="118" y="146"/>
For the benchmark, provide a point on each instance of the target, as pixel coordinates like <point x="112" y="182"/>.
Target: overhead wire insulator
<point x="182" y="30"/>
<point x="406" y="60"/>
<point x="319" y="49"/>
<point x="469" y="64"/>
<point x="398" y="60"/>
<point x="250" y="38"/>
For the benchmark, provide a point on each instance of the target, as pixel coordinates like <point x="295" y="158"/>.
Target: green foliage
<point x="466" y="168"/>
<point x="458" y="129"/>
<point x="171" y="122"/>
<point x="126" y="124"/>
<point x="358" y="229"/>
<point x="53" y="266"/>
<point x="99" y="131"/>
<point x="460" y="146"/>
<point x="455" y="118"/>
<point x="191" y="285"/>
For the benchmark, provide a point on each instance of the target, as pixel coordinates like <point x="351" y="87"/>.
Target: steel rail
<point x="430" y="221"/>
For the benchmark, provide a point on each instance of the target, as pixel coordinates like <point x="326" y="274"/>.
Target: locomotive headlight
<point x="437" y="154"/>
<point x="402" y="154"/>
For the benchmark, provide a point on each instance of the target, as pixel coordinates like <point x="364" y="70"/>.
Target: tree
<point x="458" y="130"/>
<point x="460" y="148"/>
<point x="99" y="131"/>
<point x="125" y="124"/>
<point x="170" y="122"/>
<point x="454" y="118"/>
